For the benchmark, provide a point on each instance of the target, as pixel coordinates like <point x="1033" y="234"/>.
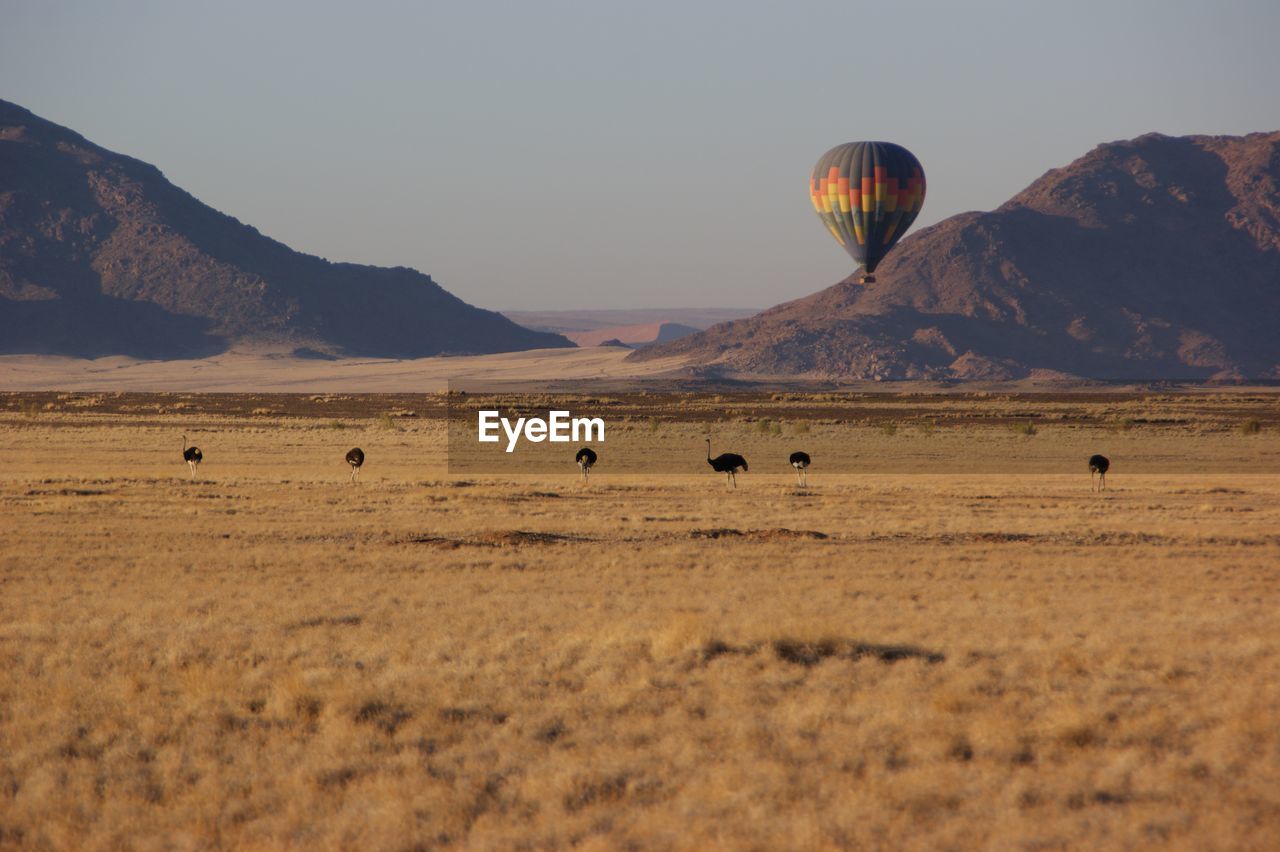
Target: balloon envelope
<point x="867" y="194"/>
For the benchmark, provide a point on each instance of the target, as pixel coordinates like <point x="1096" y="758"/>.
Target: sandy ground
<point x="242" y="371"/>
<point x="272" y="657"/>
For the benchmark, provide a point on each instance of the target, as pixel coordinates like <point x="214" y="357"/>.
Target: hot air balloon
<point x="867" y="194"/>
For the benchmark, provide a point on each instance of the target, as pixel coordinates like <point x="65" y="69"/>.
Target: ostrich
<point x="192" y="456"/>
<point x="800" y="461"/>
<point x="727" y="463"/>
<point x="355" y="458"/>
<point x="1099" y="465"/>
<point x="585" y="458"/>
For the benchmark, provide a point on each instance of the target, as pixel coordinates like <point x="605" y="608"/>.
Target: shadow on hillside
<point x="99" y="326"/>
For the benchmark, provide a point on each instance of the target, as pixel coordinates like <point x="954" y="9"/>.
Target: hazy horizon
<point x="592" y="156"/>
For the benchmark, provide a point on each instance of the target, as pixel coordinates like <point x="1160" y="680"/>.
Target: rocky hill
<point x="100" y="254"/>
<point x="1156" y="258"/>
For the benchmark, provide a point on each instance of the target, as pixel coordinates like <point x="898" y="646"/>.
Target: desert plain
<point x="927" y="647"/>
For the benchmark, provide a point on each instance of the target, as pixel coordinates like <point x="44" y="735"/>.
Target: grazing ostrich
<point x="800" y="461"/>
<point x="727" y="463"/>
<point x="585" y="458"/>
<point x="192" y="456"/>
<point x="1099" y="465"/>
<point x="355" y="458"/>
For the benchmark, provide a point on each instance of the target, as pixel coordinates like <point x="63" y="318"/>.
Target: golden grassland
<point x="270" y="656"/>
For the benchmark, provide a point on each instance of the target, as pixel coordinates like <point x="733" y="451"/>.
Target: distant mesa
<point x="615" y="343"/>
<point x="566" y="321"/>
<point x="636" y="336"/>
<point x="1155" y="258"/>
<point x="101" y="255"/>
<point x="631" y="327"/>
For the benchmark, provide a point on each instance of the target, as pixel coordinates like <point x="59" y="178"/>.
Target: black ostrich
<point x="800" y="461"/>
<point x="355" y="458"/>
<point x="192" y="456"/>
<point x="1099" y="465"/>
<point x="586" y="459"/>
<point x="727" y="463"/>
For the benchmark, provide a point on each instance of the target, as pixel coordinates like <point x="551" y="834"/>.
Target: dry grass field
<point x="272" y="657"/>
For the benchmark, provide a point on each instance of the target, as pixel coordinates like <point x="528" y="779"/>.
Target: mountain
<point x="100" y="254"/>
<point x="1155" y="258"/>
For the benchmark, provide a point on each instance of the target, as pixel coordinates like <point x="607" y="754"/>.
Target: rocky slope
<point x="100" y="254"/>
<point x="1156" y="258"/>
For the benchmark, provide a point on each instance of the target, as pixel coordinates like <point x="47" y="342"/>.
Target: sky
<point x="599" y="154"/>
